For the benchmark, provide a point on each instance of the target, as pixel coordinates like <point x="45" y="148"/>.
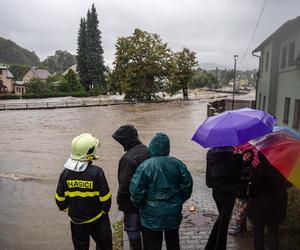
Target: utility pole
<point x="235" y="57"/>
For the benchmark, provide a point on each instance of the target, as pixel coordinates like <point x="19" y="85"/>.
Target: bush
<point x="10" y="96"/>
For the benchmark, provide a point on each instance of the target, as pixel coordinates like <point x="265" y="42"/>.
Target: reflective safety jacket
<point x="85" y="195"/>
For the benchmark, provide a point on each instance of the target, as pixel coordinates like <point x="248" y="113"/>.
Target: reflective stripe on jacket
<point x="84" y="195"/>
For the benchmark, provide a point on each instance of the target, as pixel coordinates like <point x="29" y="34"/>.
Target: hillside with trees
<point x="11" y="53"/>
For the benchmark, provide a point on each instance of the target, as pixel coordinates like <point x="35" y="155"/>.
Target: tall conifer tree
<point x="95" y="61"/>
<point x="90" y="61"/>
<point x="82" y="54"/>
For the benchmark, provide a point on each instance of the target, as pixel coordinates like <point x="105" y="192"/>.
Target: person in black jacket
<point x="83" y="192"/>
<point x="222" y="175"/>
<point x="268" y="203"/>
<point x="136" y="153"/>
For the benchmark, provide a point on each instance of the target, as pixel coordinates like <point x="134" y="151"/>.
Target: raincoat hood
<point x="75" y="165"/>
<point x="127" y="136"/>
<point x="160" y="145"/>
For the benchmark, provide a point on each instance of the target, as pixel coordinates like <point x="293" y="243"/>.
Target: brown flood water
<point x="34" y="145"/>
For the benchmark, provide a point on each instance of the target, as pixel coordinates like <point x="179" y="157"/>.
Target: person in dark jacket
<point x="222" y="175"/>
<point x="83" y="192"/>
<point x="136" y="153"/>
<point x="268" y="203"/>
<point x="158" y="188"/>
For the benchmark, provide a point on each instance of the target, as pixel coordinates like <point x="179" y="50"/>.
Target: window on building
<point x="267" y="61"/>
<point x="264" y="103"/>
<point x="291" y="53"/>
<point x="1" y="72"/>
<point x="283" y="57"/>
<point x="287" y="102"/>
<point x="296" y="119"/>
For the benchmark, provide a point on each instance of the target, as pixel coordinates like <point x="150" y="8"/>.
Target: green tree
<point x="82" y="54"/>
<point x="183" y="70"/>
<point x="36" y="86"/>
<point x="70" y="83"/>
<point x="202" y="79"/>
<point x="18" y="71"/>
<point x="90" y="61"/>
<point x="113" y="85"/>
<point x="94" y="51"/>
<point x="142" y="64"/>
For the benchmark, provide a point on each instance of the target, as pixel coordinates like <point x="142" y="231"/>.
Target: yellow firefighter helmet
<point x="84" y="147"/>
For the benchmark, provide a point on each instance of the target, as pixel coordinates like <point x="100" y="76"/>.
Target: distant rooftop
<point x="40" y="73"/>
<point x="73" y="67"/>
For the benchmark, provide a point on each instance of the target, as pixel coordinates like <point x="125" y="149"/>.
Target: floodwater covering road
<point x="35" y="144"/>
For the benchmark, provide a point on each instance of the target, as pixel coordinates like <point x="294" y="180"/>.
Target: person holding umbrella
<point x="220" y="133"/>
<point x="222" y="175"/>
<point x="268" y="203"/>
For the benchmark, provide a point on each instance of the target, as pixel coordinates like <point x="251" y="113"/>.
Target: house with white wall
<point x="278" y="84"/>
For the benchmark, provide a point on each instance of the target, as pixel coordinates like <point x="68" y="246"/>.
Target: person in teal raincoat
<point x="159" y="187"/>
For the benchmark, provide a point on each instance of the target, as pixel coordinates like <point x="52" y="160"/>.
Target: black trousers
<point x="218" y="237"/>
<point x="273" y="233"/>
<point x="152" y="240"/>
<point x="99" y="230"/>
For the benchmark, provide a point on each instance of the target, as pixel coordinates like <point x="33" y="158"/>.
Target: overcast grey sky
<point x="214" y="29"/>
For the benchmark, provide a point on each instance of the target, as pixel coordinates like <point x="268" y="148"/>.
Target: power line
<point x="256" y="26"/>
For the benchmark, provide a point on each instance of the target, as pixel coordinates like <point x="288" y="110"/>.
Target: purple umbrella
<point x="234" y="127"/>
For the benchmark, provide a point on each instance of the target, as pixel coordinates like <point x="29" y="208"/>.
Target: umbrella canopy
<point x="283" y="152"/>
<point x="232" y="128"/>
<point x="290" y="131"/>
<point x="250" y="145"/>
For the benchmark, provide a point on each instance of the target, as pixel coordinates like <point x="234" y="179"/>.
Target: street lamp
<point x="234" y="73"/>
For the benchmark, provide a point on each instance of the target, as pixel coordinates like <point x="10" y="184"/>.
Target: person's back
<point x="222" y="175"/>
<point x="83" y="192"/>
<point x="268" y="203"/>
<point x="159" y="188"/>
<point x="223" y="170"/>
<point x="268" y="194"/>
<point x="135" y="153"/>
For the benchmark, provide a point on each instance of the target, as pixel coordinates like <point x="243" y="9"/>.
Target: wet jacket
<point x="136" y="153"/>
<point x="268" y="195"/>
<point x="85" y="195"/>
<point x="160" y="186"/>
<point x="223" y="170"/>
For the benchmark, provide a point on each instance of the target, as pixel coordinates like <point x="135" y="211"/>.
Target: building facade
<point x="6" y="80"/>
<point x="278" y="84"/>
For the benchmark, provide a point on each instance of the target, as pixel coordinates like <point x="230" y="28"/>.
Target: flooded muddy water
<point x="35" y="144"/>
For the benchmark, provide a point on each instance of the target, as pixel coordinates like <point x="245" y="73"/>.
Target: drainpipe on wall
<point x="256" y="84"/>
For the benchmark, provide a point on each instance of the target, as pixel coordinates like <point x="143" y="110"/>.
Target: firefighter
<point x="83" y="192"/>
